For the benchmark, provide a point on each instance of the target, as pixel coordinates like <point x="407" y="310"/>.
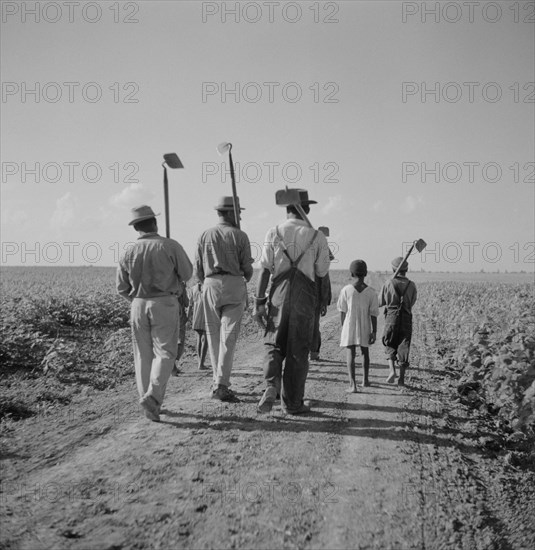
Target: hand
<point x="260" y="316"/>
<point x="373" y="337"/>
<point x="323" y="311"/>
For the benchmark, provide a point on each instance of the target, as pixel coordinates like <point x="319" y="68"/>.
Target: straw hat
<point x="141" y="213"/>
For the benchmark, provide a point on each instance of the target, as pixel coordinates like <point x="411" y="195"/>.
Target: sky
<point x="403" y="120"/>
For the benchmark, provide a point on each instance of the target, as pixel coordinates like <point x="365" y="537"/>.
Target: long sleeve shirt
<point x="296" y="236"/>
<point x="153" y="266"/>
<point x="223" y="250"/>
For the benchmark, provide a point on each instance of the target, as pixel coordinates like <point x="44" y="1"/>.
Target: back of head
<point x="358" y="268"/>
<point x="146" y="226"/>
<point x="399" y="261"/>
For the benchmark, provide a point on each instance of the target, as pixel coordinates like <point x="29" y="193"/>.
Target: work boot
<point x="266" y="403"/>
<point x="303" y="409"/>
<point x="401" y="380"/>
<point x="222" y="393"/>
<point x="151" y="408"/>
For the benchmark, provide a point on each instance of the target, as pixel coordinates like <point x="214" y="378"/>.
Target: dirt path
<point x="385" y="468"/>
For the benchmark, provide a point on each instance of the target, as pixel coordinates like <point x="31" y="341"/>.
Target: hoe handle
<point x="404" y="259"/>
<point x="234" y="194"/>
<point x="299" y="208"/>
<point x="166" y="201"/>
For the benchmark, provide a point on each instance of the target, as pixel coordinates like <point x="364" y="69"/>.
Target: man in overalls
<point x="293" y="255"/>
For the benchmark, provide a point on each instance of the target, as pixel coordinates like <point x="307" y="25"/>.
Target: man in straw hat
<point x="150" y="275"/>
<point x="399" y="296"/>
<point x="293" y="255"/>
<point x="223" y="264"/>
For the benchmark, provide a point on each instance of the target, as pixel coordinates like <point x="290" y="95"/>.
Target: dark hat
<point x="303" y="195"/>
<point x="141" y="213"/>
<point x="358" y="267"/>
<point x="227" y="203"/>
<point x="396" y="262"/>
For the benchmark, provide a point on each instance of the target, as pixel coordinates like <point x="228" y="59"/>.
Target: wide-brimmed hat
<point x="303" y="196"/>
<point x="396" y="262"/>
<point x="141" y="213"/>
<point x="227" y="203"/>
<point x="358" y="267"/>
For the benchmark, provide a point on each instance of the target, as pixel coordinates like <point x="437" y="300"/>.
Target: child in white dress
<point x="358" y="307"/>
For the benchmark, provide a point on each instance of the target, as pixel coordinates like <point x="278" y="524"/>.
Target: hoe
<point x="420" y="244"/>
<point x="171" y="160"/>
<point x="223" y="148"/>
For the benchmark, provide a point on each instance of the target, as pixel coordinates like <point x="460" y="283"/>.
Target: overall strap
<point x="293" y="263"/>
<point x="298" y="259"/>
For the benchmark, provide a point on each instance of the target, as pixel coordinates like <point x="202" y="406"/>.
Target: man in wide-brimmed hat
<point x="398" y="294"/>
<point x="223" y="264"/>
<point x="150" y="275"/>
<point x="293" y="256"/>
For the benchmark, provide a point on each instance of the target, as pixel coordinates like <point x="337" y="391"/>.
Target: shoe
<point x="314" y="356"/>
<point x="151" y="408"/>
<point x="401" y="381"/>
<point x="391" y="379"/>
<point x="266" y="403"/>
<point x="222" y="393"/>
<point x="303" y="409"/>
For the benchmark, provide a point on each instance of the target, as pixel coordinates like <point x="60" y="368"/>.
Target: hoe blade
<point x="223" y="148"/>
<point x="172" y="160"/>
<point x="287" y="197"/>
<point x="420" y="244"/>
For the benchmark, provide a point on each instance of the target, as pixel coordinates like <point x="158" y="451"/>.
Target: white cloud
<point x="378" y="206"/>
<point x="133" y="195"/>
<point x="65" y="212"/>
<point x="333" y="204"/>
<point x="410" y="204"/>
<point x="11" y="216"/>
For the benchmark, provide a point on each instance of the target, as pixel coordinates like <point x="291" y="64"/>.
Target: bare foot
<point x="202" y="367"/>
<point x="352" y="389"/>
<point x="391" y="379"/>
<point x="365" y="384"/>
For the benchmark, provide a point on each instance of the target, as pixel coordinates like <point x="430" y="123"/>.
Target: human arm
<point x="245" y="258"/>
<point x="260" y="311"/>
<point x="374" y="312"/>
<point x="373" y="335"/>
<point x="322" y="263"/>
<point x="183" y="265"/>
<point x="326" y="294"/>
<point x="123" y="282"/>
<point x="341" y="306"/>
<point x="199" y="267"/>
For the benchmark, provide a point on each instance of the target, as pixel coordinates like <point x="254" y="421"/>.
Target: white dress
<point x="359" y="308"/>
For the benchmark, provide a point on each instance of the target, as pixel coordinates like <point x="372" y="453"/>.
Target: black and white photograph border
<point x="267" y="274"/>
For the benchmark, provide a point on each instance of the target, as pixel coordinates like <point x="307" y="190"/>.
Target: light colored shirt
<point x="296" y="236"/>
<point x="153" y="266"/>
<point x="223" y="250"/>
<point x="359" y="308"/>
<point x="389" y="296"/>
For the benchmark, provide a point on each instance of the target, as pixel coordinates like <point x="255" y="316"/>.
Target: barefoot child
<point x="399" y="296"/>
<point x="358" y="308"/>
<point x="198" y="323"/>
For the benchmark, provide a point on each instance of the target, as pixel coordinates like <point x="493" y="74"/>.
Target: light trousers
<point x="224" y="303"/>
<point x="155" y="327"/>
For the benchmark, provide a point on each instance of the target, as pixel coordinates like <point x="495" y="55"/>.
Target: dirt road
<point x="386" y="468"/>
